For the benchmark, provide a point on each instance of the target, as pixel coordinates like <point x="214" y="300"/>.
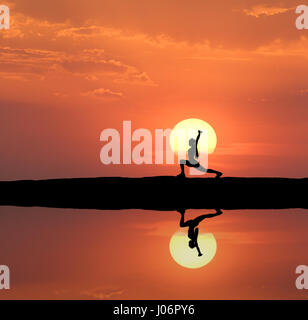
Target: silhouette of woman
<point x="192" y="225"/>
<point x="193" y="154"/>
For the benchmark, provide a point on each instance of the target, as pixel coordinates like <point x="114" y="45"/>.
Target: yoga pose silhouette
<point x="192" y="161"/>
<point x="192" y="225"/>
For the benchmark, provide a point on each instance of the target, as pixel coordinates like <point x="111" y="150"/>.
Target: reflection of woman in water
<point x="192" y="161"/>
<point x="192" y="225"/>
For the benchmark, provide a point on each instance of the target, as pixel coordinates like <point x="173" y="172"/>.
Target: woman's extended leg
<point x="218" y="173"/>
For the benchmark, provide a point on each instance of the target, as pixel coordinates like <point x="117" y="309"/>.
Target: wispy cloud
<point x="103" y="93"/>
<point x="303" y="91"/>
<point x="90" y="64"/>
<point x="258" y="11"/>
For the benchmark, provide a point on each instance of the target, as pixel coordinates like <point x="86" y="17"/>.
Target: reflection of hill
<point x="157" y="193"/>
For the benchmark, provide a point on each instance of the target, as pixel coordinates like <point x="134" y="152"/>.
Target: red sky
<point x="70" y="69"/>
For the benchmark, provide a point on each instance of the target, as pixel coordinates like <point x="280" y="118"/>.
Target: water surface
<point x="89" y="254"/>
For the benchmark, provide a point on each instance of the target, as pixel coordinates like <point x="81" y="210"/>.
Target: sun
<point x="187" y="129"/>
<point x="187" y="257"/>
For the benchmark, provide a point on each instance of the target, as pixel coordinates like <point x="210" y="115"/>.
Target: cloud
<point x="81" y="64"/>
<point x="21" y="63"/>
<point x="103" y="93"/>
<point x="103" y="293"/>
<point x="89" y="31"/>
<point x="60" y="94"/>
<point x="303" y="91"/>
<point x="178" y="20"/>
<point x="133" y="76"/>
<point x="257" y="11"/>
<point x="90" y="64"/>
<point x="24" y="27"/>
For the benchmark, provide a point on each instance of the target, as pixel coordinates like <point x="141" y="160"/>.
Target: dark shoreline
<point x="157" y="193"/>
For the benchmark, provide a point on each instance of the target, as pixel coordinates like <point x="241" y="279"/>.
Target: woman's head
<point x="191" y="244"/>
<point x="192" y="142"/>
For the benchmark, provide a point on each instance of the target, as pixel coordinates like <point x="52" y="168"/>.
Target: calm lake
<point x="131" y="254"/>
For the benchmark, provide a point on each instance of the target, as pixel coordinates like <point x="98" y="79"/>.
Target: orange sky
<point x="69" y="69"/>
